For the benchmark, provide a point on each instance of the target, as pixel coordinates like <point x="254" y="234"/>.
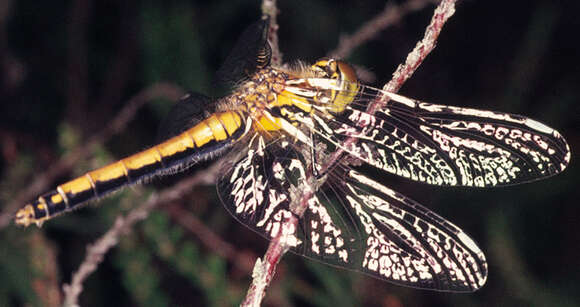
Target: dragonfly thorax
<point x="255" y="97"/>
<point x="274" y="96"/>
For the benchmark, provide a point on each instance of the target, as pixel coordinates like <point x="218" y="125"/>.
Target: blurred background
<point x="68" y="67"/>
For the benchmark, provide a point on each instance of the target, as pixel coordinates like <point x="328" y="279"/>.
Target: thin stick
<point x="265" y="268"/>
<point x="392" y="14"/>
<point x="444" y="10"/>
<point x="269" y="8"/>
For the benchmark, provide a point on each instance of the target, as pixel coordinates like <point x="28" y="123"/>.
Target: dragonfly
<point x="279" y="126"/>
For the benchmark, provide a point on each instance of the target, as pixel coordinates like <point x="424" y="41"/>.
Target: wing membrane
<point x="409" y="244"/>
<point x="257" y="189"/>
<point x="444" y="145"/>
<point x="354" y="222"/>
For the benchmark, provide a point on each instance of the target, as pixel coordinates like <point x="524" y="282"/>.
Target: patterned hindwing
<point x="354" y="223"/>
<point x="261" y="190"/>
<point x="444" y="145"/>
<point x="408" y="244"/>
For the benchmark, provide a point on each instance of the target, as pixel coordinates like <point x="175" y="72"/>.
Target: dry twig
<point x="391" y="15"/>
<point x="269" y="8"/>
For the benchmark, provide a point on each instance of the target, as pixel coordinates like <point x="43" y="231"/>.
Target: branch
<point x="392" y="14"/>
<point x="41" y="182"/>
<point x="265" y="268"/>
<point x="269" y="8"/>
<point x="123" y="225"/>
<point x="444" y="10"/>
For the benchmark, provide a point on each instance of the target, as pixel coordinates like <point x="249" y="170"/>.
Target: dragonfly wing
<point x="250" y="53"/>
<point x="257" y="188"/>
<point x="355" y="223"/>
<point x="444" y="145"/>
<point x="407" y="243"/>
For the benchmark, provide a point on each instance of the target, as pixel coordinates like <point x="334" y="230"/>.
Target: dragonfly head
<point x="347" y="80"/>
<point x="335" y="69"/>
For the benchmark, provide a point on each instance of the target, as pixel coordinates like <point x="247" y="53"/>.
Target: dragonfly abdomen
<point x="207" y="138"/>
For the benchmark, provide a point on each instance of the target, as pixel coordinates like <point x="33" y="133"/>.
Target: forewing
<point x="443" y="145"/>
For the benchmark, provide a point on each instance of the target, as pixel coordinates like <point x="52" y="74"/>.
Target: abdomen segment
<point x="208" y="137"/>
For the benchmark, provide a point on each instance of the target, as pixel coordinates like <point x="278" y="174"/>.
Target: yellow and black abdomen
<point x="207" y="138"/>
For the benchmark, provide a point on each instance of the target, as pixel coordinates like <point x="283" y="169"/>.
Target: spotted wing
<point x="352" y="222"/>
<point x="443" y="145"/>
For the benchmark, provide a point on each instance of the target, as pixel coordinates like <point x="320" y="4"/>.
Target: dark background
<point x="67" y="67"/>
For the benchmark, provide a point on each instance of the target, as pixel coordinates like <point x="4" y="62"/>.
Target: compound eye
<point x="347" y="72"/>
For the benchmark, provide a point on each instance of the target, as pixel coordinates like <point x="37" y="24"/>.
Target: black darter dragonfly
<point x="278" y="124"/>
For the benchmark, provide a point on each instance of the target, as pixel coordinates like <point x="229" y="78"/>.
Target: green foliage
<point x="206" y="272"/>
<point x="140" y="276"/>
<point x="16" y="271"/>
